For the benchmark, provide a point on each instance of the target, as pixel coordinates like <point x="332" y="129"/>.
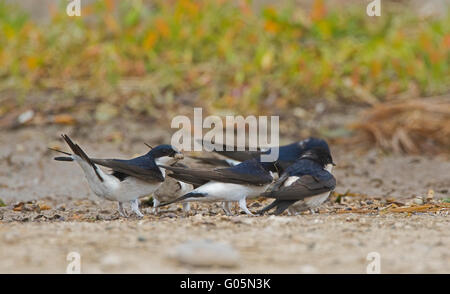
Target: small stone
<point x="25" y="117"/>
<point x="44" y="206"/>
<point x="111" y="260"/>
<point x="418" y="201"/>
<point x="61" y="207"/>
<point x="18" y="206"/>
<point x="308" y="269"/>
<point x="204" y="253"/>
<point x="170" y="215"/>
<point x="10" y="237"/>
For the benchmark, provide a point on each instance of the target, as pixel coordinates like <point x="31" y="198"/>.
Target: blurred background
<point x="325" y="67"/>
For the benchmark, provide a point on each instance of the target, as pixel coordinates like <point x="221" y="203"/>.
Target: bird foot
<point x="122" y="211"/>
<point x="135" y="208"/>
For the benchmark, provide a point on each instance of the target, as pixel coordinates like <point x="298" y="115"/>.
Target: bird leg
<point x="226" y="206"/>
<point x="290" y="211"/>
<point x="135" y="207"/>
<point x="155" y="206"/>
<point x="186" y="206"/>
<point x="243" y="206"/>
<point x="122" y="211"/>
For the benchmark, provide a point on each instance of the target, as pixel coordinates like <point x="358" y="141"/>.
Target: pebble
<point x="61" y="207"/>
<point x="205" y="253"/>
<point x="141" y="239"/>
<point x="197" y="217"/>
<point x="110" y="260"/>
<point x="308" y="269"/>
<point x="10" y="237"/>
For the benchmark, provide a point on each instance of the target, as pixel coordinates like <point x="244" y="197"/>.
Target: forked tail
<point x="76" y="151"/>
<point x="184" y="197"/>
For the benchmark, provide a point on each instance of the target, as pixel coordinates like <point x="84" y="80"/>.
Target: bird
<point x="130" y="179"/>
<point x="234" y="184"/>
<point x="311" y="205"/>
<point x="287" y="154"/>
<point x="306" y="181"/>
<point x="171" y="189"/>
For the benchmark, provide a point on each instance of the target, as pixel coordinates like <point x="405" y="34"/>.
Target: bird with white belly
<point x="130" y="179"/>
<point x="234" y="184"/>
<point x="307" y="183"/>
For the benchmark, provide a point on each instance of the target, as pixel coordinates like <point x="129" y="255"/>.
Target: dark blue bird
<point x="247" y="179"/>
<point x="287" y="154"/>
<point x="130" y="179"/>
<point x="307" y="181"/>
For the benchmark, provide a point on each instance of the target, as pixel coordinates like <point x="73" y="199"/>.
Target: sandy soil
<point x="37" y="240"/>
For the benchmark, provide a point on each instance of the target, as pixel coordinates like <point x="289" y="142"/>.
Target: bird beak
<point x="334" y="164"/>
<point x="178" y="156"/>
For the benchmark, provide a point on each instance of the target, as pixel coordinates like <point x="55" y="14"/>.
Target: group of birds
<point x="300" y="179"/>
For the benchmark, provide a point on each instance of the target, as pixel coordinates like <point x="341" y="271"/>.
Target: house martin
<point x="234" y="184"/>
<point x="307" y="180"/>
<point x="130" y="179"/>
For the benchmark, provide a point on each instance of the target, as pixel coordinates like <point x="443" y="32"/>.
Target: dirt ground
<point x="63" y="215"/>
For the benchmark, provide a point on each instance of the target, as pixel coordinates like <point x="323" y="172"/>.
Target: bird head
<point x="165" y="154"/>
<point x="314" y="143"/>
<point x="320" y="155"/>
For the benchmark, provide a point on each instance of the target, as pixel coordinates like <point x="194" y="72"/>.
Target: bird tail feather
<point x="282" y="206"/>
<point x="268" y="207"/>
<point x="63" y="158"/>
<point x="184" y="197"/>
<point x="79" y="152"/>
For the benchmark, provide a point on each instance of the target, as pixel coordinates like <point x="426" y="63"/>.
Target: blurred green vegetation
<point x="222" y="54"/>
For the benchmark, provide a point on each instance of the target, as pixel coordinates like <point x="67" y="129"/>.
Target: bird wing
<point x="275" y="186"/>
<point x="234" y="175"/>
<point x="212" y="161"/>
<point x="232" y="152"/>
<point x="282" y="165"/>
<point x="196" y="182"/>
<point x="305" y="186"/>
<point x="128" y="168"/>
<point x="239" y="155"/>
